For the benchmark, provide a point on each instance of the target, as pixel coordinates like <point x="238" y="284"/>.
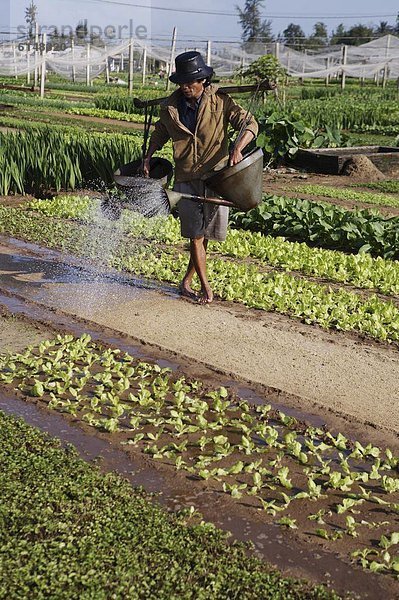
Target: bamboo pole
<point x="385" y="75"/>
<point x="73" y="60"/>
<point x="344" y="62"/>
<point x="36" y="75"/>
<point x="172" y="57"/>
<point x="43" y="72"/>
<point x="106" y="65"/>
<point x="208" y="52"/>
<point x="131" y="66"/>
<point x="144" y="64"/>
<point x="88" y="64"/>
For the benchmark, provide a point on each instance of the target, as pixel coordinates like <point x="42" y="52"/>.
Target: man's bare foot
<point x="187" y="292"/>
<point x="206" y="296"/>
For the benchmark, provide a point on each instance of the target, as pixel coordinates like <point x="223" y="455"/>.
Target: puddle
<point x="269" y="541"/>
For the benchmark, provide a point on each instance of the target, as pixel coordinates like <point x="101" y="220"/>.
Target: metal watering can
<point x="239" y="186"/>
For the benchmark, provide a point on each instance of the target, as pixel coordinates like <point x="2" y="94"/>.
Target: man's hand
<point x="235" y="157"/>
<point x="146" y="167"/>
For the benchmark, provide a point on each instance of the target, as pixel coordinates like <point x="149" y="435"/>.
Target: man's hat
<point x="190" y="66"/>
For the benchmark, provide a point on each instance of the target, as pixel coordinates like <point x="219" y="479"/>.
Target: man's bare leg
<point x="198" y="248"/>
<point x="185" y="287"/>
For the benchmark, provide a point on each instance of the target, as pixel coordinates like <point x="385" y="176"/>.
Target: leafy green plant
<point x="347" y="194"/>
<point x="324" y="225"/>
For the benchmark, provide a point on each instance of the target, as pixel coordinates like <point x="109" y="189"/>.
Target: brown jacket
<point x="196" y="154"/>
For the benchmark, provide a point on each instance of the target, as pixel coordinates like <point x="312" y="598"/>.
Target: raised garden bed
<point x="332" y="160"/>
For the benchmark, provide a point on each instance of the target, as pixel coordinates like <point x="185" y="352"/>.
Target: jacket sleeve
<point x="237" y="115"/>
<point x="160" y="135"/>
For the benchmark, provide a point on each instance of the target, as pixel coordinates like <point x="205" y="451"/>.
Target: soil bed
<point x="223" y="345"/>
<point x="281" y="548"/>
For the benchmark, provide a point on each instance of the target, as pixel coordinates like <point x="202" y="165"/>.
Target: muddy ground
<point x="346" y="381"/>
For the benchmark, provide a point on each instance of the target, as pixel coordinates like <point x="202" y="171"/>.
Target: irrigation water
<point x="105" y="227"/>
<point x="144" y="196"/>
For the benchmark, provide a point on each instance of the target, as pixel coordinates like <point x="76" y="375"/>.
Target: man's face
<point x="192" y="89"/>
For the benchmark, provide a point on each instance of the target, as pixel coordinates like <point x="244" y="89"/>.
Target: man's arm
<point x="238" y="117"/>
<point x="236" y="156"/>
<point x="158" y="139"/>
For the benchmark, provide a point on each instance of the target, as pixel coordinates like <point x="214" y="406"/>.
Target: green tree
<point x="319" y="37"/>
<point x="81" y="30"/>
<point x="384" y="28"/>
<point x="31" y="14"/>
<point x="255" y="30"/>
<point x="359" y="34"/>
<point x="265" y="67"/>
<point x="294" y="36"/>
<point x="339" y="36"/>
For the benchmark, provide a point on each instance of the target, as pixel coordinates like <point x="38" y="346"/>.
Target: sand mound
<point x="361" y="167"/>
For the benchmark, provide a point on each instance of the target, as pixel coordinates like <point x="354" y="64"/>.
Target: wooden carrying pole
<point x="232" y="89"/>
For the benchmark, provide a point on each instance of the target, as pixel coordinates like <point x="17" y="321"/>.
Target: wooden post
<point x="209" y="53"/>
<point x="344" y="62"/>
<point x="242" y="64"/>
<point x="385" y="75"/>
<point x="172" y="57"/>
<point x="43" y="73"/>
<point x="106" y="65"/>
<point x="131" y="66"/>
<point x="144" y="64"/>
<point x="73" y="60"/>
<point x="88" y="82"/>
<point x="28" y="65"/>
<point x="327" y="67"/>
<point x="288" y="61"/>
<point x="277" y="50"/>
<point x="14" y="49"/>
<point x="36" y="75"/>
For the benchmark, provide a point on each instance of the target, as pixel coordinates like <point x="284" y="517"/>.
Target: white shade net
<point x="85" y="62"/>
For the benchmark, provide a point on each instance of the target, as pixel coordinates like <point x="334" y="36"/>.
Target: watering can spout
<point x="175" y="197"/>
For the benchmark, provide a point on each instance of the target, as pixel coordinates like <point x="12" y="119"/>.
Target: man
<point x="196" y="117"/>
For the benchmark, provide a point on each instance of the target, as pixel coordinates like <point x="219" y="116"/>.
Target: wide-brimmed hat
<point x="190" y="66"/>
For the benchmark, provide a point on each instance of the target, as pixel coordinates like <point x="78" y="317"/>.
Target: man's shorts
<point x="200" y="219"/>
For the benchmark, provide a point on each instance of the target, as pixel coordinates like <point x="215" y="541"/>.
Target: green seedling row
<point x="302" y="476"/>
<point x="107" y="114"/>
<point x="391" y="187"/>
<point x="280" y="292"/>
<point x="70" y="531"/>
<point x="360" y="270"/>
<point x="348" y="194"/>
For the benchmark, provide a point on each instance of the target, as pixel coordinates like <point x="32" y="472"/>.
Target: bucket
<point x="160" y="169"/>
<point x="145" y="195"/>
<point x="242" y="183"/>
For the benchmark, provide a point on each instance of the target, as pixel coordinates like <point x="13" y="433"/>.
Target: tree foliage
<point x="255" y="30"/>
<point x="31" y="13"/>
<point x="265" y="67"/>
<point x="294" y="36"/>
